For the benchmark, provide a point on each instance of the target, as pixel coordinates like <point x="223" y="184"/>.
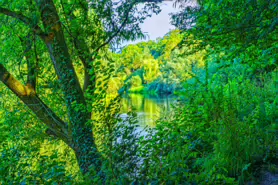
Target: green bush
<point x="221" y="135"/>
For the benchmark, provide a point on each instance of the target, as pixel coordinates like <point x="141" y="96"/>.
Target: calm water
<point x="148" y="108"/>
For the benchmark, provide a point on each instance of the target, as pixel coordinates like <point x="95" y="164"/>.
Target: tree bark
<point x="82" y="141"/>
<point x="86" y="151"/>
<point x="77" y="134"/>
<point x="29" y="97"/>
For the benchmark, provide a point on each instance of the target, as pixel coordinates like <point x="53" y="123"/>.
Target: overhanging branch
<point x="34" y="103"/>
<point x="117" y="32"/>
<point x="26" y="20"/>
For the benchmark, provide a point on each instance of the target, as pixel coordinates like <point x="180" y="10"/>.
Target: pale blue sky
<point x="158" y="25"/>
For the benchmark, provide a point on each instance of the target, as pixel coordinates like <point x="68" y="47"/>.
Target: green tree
<point x="233" y="27"/>
<point x="67" y="34"/>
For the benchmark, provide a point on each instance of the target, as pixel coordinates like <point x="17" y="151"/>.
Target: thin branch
<point x="31" y="75"/>
<point x="37" y="60"/>
<point x="116" y="33"/>
<point x="26" y="20"/>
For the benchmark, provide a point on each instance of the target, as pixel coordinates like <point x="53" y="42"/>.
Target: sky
<point x="157" y="25"/>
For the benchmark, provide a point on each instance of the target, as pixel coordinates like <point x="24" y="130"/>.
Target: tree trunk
<point x="86" y="151"/>
<point x="76" y="133"/>
<point x="80" y="134"/>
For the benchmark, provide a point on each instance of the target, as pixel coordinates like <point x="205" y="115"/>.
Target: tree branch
<point x="32" y="75"/>
<point x="26" y="20"/>
<point x="82" y="48"/>
<point x="116" y="33"/>
<point x="33" y="102"/>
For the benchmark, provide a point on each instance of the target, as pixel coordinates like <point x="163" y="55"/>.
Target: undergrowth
<point x="222" y="132"/>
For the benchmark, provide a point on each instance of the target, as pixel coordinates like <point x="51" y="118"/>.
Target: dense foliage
<point x="221" y="63"/>
<point x="156" y="67"/>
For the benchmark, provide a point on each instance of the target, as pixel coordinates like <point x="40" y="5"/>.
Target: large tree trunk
<point x="86" y="151"/>
<point x="77" y="134"/>
<point x="82" y="141"/>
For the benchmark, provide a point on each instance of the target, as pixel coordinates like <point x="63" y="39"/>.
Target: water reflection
<point x="148" y="108"/>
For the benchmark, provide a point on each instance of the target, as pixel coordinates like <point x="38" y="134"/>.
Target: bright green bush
<point x="221" y="134"/>
<point x="136" y="84"/>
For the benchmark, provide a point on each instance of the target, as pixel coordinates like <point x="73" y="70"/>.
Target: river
<point x="148" y="108"/>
